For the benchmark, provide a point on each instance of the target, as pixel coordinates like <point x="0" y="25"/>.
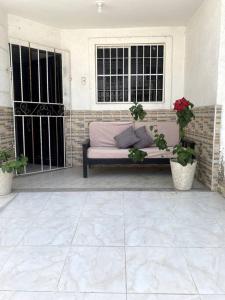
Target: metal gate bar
<point x="41" y="142"/>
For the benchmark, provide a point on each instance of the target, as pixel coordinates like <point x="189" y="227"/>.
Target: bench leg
<point x="85" y="161"/>
<point x="85" y="169"/>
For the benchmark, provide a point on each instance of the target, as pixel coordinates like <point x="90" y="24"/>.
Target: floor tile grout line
<point x="101" y="189"/>
<point x="189" y="271"/>
<point x="222" y="227"/>
<point x="8" y="258"/>
<point x="106" y="293"/>
<point x="78" y="220"/>
<point x="62" y="292"/>
<point x="70" y="246"/>
<point x="124" y="232"/>
<point x="63" y="268"/>
<point x="2" y="208"/>
<point x="108" y="246"/>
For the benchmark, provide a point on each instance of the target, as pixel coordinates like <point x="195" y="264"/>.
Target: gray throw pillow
<point x="145" y="139"/>
<point x="126" y="139"/>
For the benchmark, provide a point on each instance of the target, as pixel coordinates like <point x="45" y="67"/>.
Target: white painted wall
<point x="202" y="54"/>
<point x="80" y="44"/>
<point x="27" y="30"/>
<point x="4" y="61"/>
<point x="221" y="77"/>
<point x="205" y="58"/>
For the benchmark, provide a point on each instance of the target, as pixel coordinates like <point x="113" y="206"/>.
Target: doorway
<point x="40" y="117"/>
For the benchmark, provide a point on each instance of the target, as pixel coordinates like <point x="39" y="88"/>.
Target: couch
<point x="100" y="147"/>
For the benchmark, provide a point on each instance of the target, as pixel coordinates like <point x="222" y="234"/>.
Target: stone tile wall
<point x="205" y="132"/>
<point x="6" y="128"/>
<point x="68" y="141"/>
<point x="221" y="188"/>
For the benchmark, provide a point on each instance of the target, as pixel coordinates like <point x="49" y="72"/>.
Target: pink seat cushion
<point x="114" y="152"/>
<point x="171" y="131"/>
<point x="102" y="133"/>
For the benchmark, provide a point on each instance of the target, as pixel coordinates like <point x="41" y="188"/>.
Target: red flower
<point x="181" y="104"/>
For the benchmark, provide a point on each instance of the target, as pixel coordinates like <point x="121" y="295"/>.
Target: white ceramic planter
<point x="5" y="183"/>
<point x="183" y="177"/>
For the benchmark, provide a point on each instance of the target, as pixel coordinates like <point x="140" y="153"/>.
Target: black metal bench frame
<point x="89" y="162"/>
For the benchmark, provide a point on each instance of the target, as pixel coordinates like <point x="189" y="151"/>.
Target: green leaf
<point x="160" y="141"/>
<point x="184" y="155"/>
<point x="10" y="164"/>
<point x="137" y="155"/>
<point x="137" y="111"/>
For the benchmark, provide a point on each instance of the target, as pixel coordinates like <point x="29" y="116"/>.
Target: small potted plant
<point x="8" y="165"/>
<point x="183" y="165"/>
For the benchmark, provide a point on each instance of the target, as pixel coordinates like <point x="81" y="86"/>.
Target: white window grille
<point x="130" y="73"/>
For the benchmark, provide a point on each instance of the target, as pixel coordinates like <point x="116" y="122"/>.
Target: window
<point x="130" y="73"/>
<point x="112" y="74"/>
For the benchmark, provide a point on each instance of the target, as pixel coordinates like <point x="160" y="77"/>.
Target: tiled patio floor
<point x="101" y="178"/>
<point x="113" y="246"/>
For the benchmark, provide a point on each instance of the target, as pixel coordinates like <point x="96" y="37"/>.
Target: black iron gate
<point x="39" y="112"/>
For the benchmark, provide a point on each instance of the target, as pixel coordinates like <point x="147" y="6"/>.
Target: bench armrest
<point x="86" y="144"/>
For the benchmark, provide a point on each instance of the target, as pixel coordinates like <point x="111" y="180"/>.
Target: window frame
<point x="132" y="38"/>
<point x="129" y="45"/>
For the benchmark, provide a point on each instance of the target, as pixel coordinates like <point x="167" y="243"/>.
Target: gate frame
<point x="67" y="106"/>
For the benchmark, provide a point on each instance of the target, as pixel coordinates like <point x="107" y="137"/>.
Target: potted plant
<point x="8" y="165"/>
<point x="183" y="165"/>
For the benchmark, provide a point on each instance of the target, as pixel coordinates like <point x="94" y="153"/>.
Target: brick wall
<point x="6" y="128"/>
<point x="205" y="132"/>
<point x="221" y="188"/>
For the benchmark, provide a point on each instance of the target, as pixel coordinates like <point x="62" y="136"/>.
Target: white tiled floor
<point x="113" y="246"/>
<point x="148" y="177"/>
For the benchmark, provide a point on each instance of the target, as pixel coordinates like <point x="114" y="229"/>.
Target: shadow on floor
<point x="101" y="178"/>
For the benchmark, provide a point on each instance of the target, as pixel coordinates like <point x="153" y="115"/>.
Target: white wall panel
<point x="221" y="78"/>
<point x="80" y="42"/>
<point x="4" y="61"/>
<point x="202" y="54"/>
<point x="28" y="30"/>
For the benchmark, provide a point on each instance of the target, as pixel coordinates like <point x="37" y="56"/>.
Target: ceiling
<point x="116" y="13"/>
